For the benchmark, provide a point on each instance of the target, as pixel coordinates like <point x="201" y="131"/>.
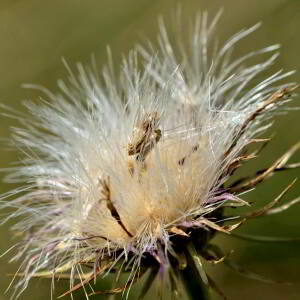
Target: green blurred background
<point x="36" y="34"/>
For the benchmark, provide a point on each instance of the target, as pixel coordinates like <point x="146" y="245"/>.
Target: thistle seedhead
<point x="130" y="174"/>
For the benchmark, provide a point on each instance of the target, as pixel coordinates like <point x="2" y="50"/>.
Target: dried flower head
<point x="130" y="174"/>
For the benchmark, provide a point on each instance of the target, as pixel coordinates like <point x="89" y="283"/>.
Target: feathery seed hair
<point x="130" y="174"/>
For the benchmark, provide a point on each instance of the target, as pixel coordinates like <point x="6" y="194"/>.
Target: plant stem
<point x="193" y="275"/>
<point x="194" y="285"/>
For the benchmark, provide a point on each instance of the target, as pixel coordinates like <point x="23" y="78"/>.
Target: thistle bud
<point x="132" y="175"/>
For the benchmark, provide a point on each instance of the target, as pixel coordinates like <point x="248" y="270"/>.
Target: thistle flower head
<point x="131" y="173"/>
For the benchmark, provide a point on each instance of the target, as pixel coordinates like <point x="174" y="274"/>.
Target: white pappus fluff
<point x="113" y="165"/>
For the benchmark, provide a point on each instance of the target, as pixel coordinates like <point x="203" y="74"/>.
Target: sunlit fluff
<point x="115" y="167"/>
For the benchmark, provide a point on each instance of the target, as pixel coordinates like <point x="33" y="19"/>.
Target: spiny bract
<point x="130" y="173"/>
